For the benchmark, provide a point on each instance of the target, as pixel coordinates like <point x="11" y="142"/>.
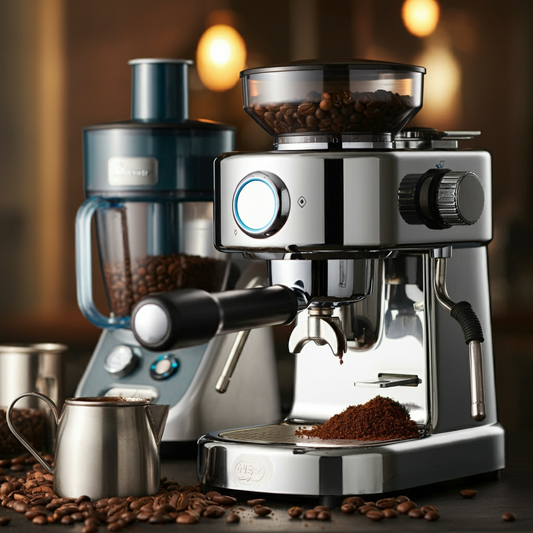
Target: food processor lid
<point x="340" y="65"/>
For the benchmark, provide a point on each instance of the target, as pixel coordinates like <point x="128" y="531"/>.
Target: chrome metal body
<point x="394" y="333"/>
<point x="105" y="446"/>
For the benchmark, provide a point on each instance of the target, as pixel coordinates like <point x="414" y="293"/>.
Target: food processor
<point x="149" y="188"/>
<point x="376" y="237"/>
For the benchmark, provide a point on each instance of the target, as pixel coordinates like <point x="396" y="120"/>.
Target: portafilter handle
<point x="190" y="317"/>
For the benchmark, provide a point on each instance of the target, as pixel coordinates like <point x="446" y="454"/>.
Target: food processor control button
<point x="121" y="361"/>
<point x="261" y="204"/>
<point x="164" y="367"/>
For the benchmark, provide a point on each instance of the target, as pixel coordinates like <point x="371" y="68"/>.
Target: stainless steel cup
<point x="105" y="446"/>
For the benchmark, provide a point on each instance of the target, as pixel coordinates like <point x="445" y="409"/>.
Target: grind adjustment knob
<point x="121" y="361"/>
<point x="261" y="204"/>
<point x="441" y="198"/>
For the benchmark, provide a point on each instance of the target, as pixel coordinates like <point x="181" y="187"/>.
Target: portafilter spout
<point x="190" y="317"/>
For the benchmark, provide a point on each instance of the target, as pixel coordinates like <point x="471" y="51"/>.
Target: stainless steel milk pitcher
<point x="106" y="446"/>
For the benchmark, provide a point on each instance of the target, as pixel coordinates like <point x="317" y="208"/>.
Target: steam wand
<point x="464" y="314"/>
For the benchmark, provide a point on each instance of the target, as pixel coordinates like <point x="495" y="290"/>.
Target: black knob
<point x="441" y="198"/>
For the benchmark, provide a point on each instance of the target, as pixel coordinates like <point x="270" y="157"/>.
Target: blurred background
<point x="63" y="66"/>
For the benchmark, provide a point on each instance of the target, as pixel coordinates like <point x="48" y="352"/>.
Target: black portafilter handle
<point x="190" y="317"/>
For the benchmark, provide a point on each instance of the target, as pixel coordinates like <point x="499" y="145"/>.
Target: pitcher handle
<point x="20" y="437"/>
<point x="84" y="276"/>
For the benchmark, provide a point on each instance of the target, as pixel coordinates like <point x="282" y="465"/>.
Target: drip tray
<point x="283" y="433"/>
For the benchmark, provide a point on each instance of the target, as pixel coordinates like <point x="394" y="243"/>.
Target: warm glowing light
<point x="420" y="16"/>
<point x="220" y="57"/>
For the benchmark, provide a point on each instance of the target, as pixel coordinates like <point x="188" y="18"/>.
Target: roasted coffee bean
<point x="324" y="515"/>
<point x="19" y="507"/>
<point x="32" y="513"/>
<point x="186" y="518"/>
<point x="468" y="493"/>
<point x="115" y="526"/>
<point x="91" y="520"/>
<point x="257" y="501"/>
<point x="233" y="518"/>
<point x="375" y="515"/>
<point x="386" y="503"/>
<point x="261" y="510"/>
<point x="295" y="512"/>
<point x="4" y="520"/>
<point x="82" y="499"/>
<point x="143" y="516"/>
<point x="90" y="528"/>
<point x="224" y="500"/>
<point x="427" y="508"/>
<point x="160" y="517"/>
<point x="431" y="516"/>
<point x="508" y="517"/>
<point x="348" y="508"/>
<point x="365" y="508"/>
<point x="355" y="500"/>
<point x="389" y="513"/>
<point x="405" y="507"/>
<point x="214" y="511"/>
<point x="40" y="520"/>
<point x="66" y="520"/>
<point x="415" y="513"/>
<point x="7" y="488"/>
<point x="311" y="515"/>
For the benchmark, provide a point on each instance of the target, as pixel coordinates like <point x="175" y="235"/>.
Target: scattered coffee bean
<point x="257" y="501"/>
<point x="4" y="520"/>
<point x="389" y="513"/>
<point x="214" y="511"/>
<point x="375" y="515"/>
<point x="187" y="518"/>
<point x="40" y="520"/>
<point x="295" y="512"/>
<point x="365" y="508"/>
<point x="406" y="506"/>
<point x="355" y="500"/>
<point x="311" y="515"/>
<point x="348" y="508"/>
<point x="508" y="517"/>
<point x="431" y="516"/>
<point x="468" y="493"/>
<point x="324" y="515"/>
<point x="386" y="503"/>
<point x="90" y="528"/>
<point x="261" y="510"/>
<point x="415" y="513"/>
<point x="427" y="508"/>
<point x="401" y="499"/>
<point x="233" y="518"/>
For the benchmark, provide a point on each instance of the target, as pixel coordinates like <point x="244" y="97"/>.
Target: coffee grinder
<point x="376" y="243"/>
<point x="149" y="187"/>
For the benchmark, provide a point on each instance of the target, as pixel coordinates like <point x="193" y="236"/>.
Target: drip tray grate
<point x="283" y="433"/>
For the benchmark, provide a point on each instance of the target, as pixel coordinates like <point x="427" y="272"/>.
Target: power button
<point x="261" y="204"/>
<point x="164" y="367"/>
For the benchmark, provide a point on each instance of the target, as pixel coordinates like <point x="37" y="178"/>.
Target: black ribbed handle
<point x="468" y="320"/>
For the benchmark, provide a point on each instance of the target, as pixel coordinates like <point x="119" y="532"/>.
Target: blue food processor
<point x="149" y="189"/>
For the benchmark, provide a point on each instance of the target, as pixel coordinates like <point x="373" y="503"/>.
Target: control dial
<point x="121" y="361"/>
<point x="441" y="198"/>
<point x="261" y="204"/>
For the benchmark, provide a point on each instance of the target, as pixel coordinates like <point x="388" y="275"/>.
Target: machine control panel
<point x="121" y="361"/>
<point x="164" y="367"/>
<point x="261" y="204"/>
<point x="441" y="198"/>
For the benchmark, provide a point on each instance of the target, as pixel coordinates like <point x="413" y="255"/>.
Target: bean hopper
<point x="376" y="244"/>
<point x="149" y="187"/>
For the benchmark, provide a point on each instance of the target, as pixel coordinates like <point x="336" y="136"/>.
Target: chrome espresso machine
<point x="376" y="244"/>
<point x="149" y="187"/>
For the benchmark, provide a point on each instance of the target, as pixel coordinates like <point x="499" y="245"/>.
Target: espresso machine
<point x="375" y="237"/>
<point x="149" y="188"/>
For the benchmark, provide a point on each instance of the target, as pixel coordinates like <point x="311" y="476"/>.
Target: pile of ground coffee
<point x="379" y="419"/>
